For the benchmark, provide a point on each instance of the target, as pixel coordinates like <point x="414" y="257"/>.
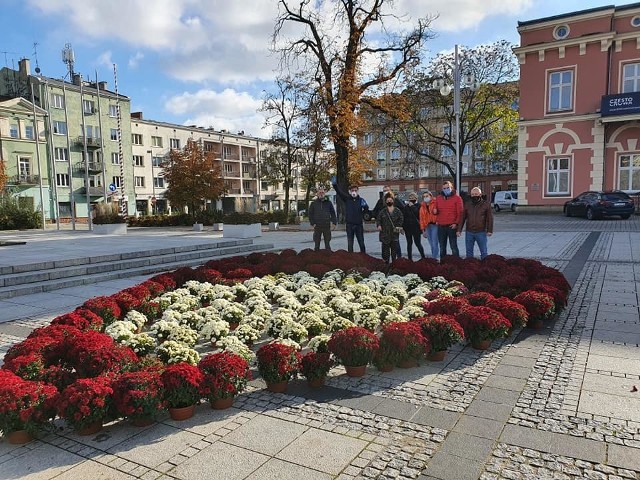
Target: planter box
<point x="274" y="226"/>
<point x="110" y="229"/>
<point x="218" y="227"/>
<point x="242" y="231"/>
<point x="198" y="227"/>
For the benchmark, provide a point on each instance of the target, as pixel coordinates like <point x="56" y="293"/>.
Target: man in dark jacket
<point x="321" y="216"/>
<point x="478" y="216"/>
<point x="354" y="206"/>
<point x="411" y="226"/>
<point x="381" y="205"/>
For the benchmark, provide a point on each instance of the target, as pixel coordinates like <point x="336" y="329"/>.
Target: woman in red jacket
<point x="448" y="210"/>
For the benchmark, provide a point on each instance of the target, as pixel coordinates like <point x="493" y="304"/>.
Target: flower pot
<point x="233" y="326"/>
<point x="143" y="421"/>
<point x="316" y="382"/>
<point x="385" y="368"/>
<point x="437" y="356"/>
<point x="19" y="437"/>
<point x="480" y="344"/>
<point x="408" y="363"/>
<point x="222" y="403"/>
<point x="357" y="371"/>
<point x="277" y="387"/>
<point x="182" y="413"/>
<point x="535" y="324"/>
<point x="90" y="429"/>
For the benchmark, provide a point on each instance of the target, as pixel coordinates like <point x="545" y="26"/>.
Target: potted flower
<point x="25" y="406"/>
<point x="85" y="404"/>
<point x="315" y="367"/>
<point x="512" y="310"/>
<point x="181" y="383"/>
<point x="174" y="352"/>
<point x="443" y="331"/>
<point x="405" y="343"/>
<point x="354" y="347"/>
<point x="139" y="396"/>
<point x="225" y="376"/>
<point x="482" y="325"/>
<point x="539" y="305"/>
<point x="278" y="363"/>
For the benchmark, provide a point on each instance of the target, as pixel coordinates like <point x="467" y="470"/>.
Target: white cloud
<point x="105" y="59"/>
<point x="135" y="59"/>
<point x="229" y="110"/>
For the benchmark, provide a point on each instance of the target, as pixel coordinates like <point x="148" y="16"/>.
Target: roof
<point x="577" y="13"/>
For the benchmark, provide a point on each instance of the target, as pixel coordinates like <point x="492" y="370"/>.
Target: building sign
<point x="620" y="104"/>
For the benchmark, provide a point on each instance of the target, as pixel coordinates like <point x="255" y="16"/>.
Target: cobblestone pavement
<point x="557" y="403"/>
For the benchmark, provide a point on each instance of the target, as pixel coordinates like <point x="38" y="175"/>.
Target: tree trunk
<point x="342" y="173"/>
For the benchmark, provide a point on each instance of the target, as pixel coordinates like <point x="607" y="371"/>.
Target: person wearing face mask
<point x="448" y="208"/>
<point x="321" y="216"/>
<point x="380" y="205"/>
<point x="411" y="226"/>
<point x="355" y="208"/>
<point x="389" y="222"/>
<point x="478" y="216"/>
<point x="428" y="223"/>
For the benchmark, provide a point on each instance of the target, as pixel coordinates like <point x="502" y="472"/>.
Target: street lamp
<point x="468" y="81"/>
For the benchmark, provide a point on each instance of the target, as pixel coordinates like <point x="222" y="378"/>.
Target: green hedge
<point x="211" y="217"/>
<point x="13" y="216"/>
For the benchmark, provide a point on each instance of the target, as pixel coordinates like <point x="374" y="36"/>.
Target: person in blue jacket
<point x="355" y="207"/>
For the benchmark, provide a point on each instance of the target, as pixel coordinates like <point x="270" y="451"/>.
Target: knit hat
<point x="413" y="196"/>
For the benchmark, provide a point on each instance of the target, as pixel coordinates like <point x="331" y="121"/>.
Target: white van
<point x="505" y="199"/>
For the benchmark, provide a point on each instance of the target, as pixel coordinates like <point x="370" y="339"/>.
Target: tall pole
<point x="85" y="152"/>
<point x="456" y="111"/>
<point x="37" y="139"/>
<point x="124" y="208"/>
<point x="72" y="200"/>
<point x="46" y="104"/>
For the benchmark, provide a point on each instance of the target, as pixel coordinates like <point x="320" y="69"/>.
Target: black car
<point x="600" y="204"/>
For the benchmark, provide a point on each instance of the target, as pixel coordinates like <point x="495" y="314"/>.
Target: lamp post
<point x="153" y="185"/>
<point x="445" y="89"/>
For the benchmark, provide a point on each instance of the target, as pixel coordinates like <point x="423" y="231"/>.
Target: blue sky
<point x="207" y="62"/>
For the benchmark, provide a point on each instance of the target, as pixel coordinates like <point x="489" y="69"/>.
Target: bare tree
<point x="347" y="49"/>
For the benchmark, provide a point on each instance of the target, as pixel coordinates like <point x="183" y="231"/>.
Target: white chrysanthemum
<point x="385" y="311"/>
<point x="328" y="283"/>
<point x="344" y="308"/>
<point x="234" y="345"/>
<point x="121" y="330"/>
<point x="278" y="318"/>
<point x="183" y="334"/>
<point x="411" y="311"/>
<point x="389" y="300"/>
<point x="290" y="301"/>
<point x="233" y="313"/>
<point x="240" y="292"/>
<point x="214" y="330"/>
<point x="397" y="290"/>
<point x="420" y="291"/>
<point x="175" y="352"/>
<point x="224" y="292"/>
<point x="392" y="318"/>
<point x="171" y="315"/>
<point x="335" y="274"/>
<point x="142" y="343"/>
<point x="138" y="318"/>
<point x="340" y="323"/>
<point x="359" y="290"/>
<point x="367" y="318"/>
<point x="293" y="330"/>
<point x="220" y="303"/>
<point x="437" y="282"/>
<point x="191" y="319"/>
<point x="163" y="328"/>
<point x="288" y="342"/>
<point x="370" y="301"/>
<point x="256" y="284"/>
<point x="255" y="320"/>
<point x="246" y="333"/>
<point x="415" y="301"/>
<point x="319" y="343"/>
<point x="308" y="291"/>
<point x="185" y="304"/>
<point x="195" y="287"/>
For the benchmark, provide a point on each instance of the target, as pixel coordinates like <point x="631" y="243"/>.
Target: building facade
<point x="579" y="105"/>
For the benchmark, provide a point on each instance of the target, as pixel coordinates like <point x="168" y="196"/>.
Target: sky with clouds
<point x="207" y="62"/>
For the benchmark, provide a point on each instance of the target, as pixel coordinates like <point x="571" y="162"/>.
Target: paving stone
<point x="275" y="468"/>
<point x="435" y="417"/>
<point x="498" y="395"/>
<point x="395" y="409"/>
<point x="506" y="382"/>
<point x="316" y="449"/>
<point x="451" y="467"/>
<point x="610" y="405"/>
<point x="252" y="434"/>
<point x="220" y="461"/>
<point x="467" y="446"/>
<point x="360" y="402"/>
<point x="624" y="457"/>
<point x="485" y="409"/>
<point x="480" y="427"/>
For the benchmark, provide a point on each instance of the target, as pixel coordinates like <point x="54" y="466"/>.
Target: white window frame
<point x="14" y="130"/>
<point x="29" y="132"/>
<point x="59" y="128"/>
<point x="158" y="182"/>
<point x="117" y="181"/>
<point x="113" y="134"/>
<point x="113" y="110"/>
<point x="88" y="107"/>
<point x="156" y="141"/>
<point x="395" y="154"/>
<point x="62" y="179"/>
<point x="24" y="166"/>
<point x="554" y="171"/>
<point x="630" y="78"/>
<point x="382" y="173"/>
<point x="157" y="161"/>
<point x="367" y="139"/>
<point x="61" y="154"/>
<point x="174" y="143"/>
<point x="381" y="155"/>
<point x="138" y="181"/>
<point x="115" y="158"/>
<point x="632" y="167"/>
<point x="136" y="139"/>
<point x="57" y="100"/>
<point x="226" y="151"/>
<point x="138" y="160"/>
<point x="564" y="90"/>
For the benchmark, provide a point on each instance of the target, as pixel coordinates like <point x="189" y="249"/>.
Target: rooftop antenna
<point x="35" y="55"/>
<point x="68" y="58"/>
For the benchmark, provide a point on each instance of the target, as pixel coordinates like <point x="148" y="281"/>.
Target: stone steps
<point x="32" y="278"/>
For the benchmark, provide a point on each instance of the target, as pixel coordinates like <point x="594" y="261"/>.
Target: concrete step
<point x="36" y="278"/>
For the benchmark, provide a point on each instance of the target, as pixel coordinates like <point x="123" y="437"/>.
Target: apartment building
<point x="580" y="105"/>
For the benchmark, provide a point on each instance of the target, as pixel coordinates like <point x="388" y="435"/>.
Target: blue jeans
<point x="431" y="234"/>
<point x="480" y="238"/>
<point x="358" y="231"/>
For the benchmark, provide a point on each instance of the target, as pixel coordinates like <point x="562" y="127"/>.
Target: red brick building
<point x="580" y="105"/>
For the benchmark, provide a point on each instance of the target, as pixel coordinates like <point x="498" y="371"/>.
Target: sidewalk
<point x="552" y="404"/>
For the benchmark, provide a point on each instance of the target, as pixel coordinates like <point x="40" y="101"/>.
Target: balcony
<point x="24" y="180"/>
<point x="92" y="142"/>
<point x="93" y="191"/>
<point x="95" y="166"/>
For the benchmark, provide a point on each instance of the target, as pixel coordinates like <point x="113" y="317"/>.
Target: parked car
<point x="507" y="199"/>
<point x="600" y="204"/>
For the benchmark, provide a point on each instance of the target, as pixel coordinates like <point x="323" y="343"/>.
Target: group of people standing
<point x="438" y="218"/>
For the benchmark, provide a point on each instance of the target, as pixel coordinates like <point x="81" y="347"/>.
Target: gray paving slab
<point x="316" y="449"/>
<point x="282" y="470"/>
<point x="396" y="409"/>
<point x="479" y="427"/>
<point x="435" y="417"/>
<point x="558" y="443"/>
<point x="466" y="445"/>
<point x="512" y="371"/>
<point x="506" y="383"/>
<point x="220" y="461"/>
<point x="490" y="410"/>
<point x="498" y="395"/>
<point x="252" y="434"/>
<point x="614" y="364"/>
<point x="610" y="405"/>
<point x="624" y="457"/>
<point x="95" y="471"/>
<point x="446" y="466"/>
<point x="43" y="462"/>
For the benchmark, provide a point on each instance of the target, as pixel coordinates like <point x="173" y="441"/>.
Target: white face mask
<point x="426" y="199"/>
<point x="354" y="194"/>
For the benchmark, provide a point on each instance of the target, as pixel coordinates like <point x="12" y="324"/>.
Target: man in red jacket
<point x="448" y="211"/>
